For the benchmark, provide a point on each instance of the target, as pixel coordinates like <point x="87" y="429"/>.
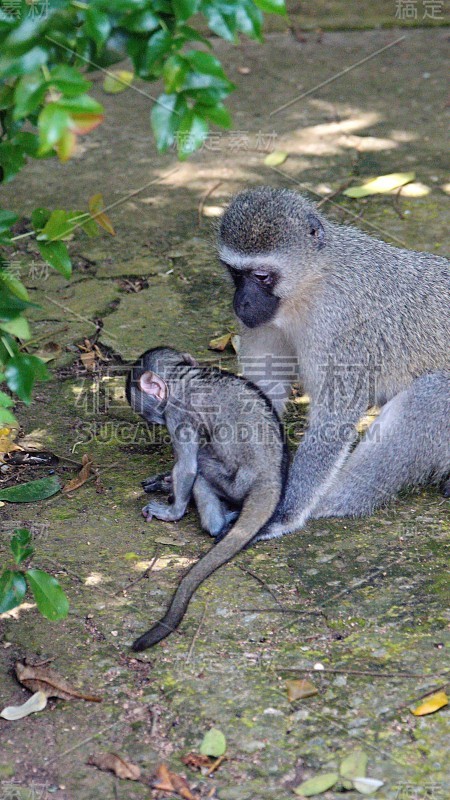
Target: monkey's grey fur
<point x="360" y="323"/>
<point x="230" y="455"/>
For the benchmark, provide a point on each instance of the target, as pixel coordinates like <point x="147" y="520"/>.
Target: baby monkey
<point x="230" y="456"/>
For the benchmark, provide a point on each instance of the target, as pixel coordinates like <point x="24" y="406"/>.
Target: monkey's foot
<point x="230" y="519"/>
<point x="161" y="511"/>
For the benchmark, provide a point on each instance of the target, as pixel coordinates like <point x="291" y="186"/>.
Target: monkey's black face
<point x="254" y="301"/>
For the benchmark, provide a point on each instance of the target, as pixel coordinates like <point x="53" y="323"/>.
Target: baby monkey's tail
<point x="258" y="507"/>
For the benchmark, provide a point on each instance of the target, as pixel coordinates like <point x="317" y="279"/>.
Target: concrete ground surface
<point x="366" y="599"/>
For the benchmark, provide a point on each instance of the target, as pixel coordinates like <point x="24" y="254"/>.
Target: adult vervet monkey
<point x="362" y="323"/>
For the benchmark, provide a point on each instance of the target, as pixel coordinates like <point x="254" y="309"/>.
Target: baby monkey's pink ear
<point x="154" y="386"/>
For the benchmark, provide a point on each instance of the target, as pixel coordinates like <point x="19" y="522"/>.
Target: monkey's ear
<point x="154" y="386"/>
<point x="316" y="230"/>
<point x="190" y="360"/>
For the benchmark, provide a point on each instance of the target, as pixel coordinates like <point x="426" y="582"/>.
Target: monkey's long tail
<point x="258" y="507"/>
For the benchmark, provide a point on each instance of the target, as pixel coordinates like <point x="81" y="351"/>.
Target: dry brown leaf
<point x="111" y="762"/>
<point x="167" y="781"/>
<point x="220" y="343"/>
<point x="84" y="473"/>
<point x="196" y="760"/>
<point x="88" y="360"/>
<point x="44" y="679"/>
<point x="431" y="704"/>
<point x="298" y="689"/>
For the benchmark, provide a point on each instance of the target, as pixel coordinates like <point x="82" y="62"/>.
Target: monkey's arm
<point x="267" y="359"/>
<point x="183" y="478"/>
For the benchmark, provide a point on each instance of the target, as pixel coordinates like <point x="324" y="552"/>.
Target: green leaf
<point x="11" y="305"/>
<point x="221" y="23"/>
<point x="21" y="545"/>
<point x="174" y="72"/>
<point x="5" y="400"/>
<point x="32" y="491"/>
<point x="185" y="8"/>
<point x="249" y="19"/>
<point x="147" y="59"/>
<point x="117" y="81"/>
<point x="140" y="22"/>
<point x="68" y="80"/>
<point x="50" y="598"/>
<point x="21" y="372"/>
<point x="354" y="765"/>
<point x="53" y="121"/>
<point x="97" y="26"/>
<point x="380" y="185"/>
<point x="213" y="744"/>
<point x="218" y="114"/>
<point x="6" y="417"/>
<point x="57" y="255"/>
<point x="17" y="327"/>
<point x="7" y="219"/>
<point x="13" y="284"/>
<point x="191" y="134"/>
<point x="57" y="227"/>
<point x="84" y="104"/>
<point x="317" y="785"/>
<point x="12" y="160"/>
<point x="12" y="590"/>
<point x="29" y="94"/>
<point x="12" y="66"/>
<point x="165" y="119"/>
<point x="272" y="6"/>
<point x="40" y="217"/>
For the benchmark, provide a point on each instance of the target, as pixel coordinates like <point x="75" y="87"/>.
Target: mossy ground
<point x="359" y="597"/>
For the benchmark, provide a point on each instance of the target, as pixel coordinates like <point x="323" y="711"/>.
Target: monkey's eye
<point x="263" y="277"/>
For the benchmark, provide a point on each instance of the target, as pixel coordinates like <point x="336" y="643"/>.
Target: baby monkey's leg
<point x="214" y="515"/>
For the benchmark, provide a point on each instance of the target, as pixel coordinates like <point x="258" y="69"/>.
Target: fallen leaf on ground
<point x="111" y="762"/>
<point x="431" y="704"/>
<point x="366" y="785"/>
<point x="298" y="689"/>
<point x="353" y="766"/>
<point x="47" y="680"/>
<point x="275" y="159"/>
<point x="220" y="343"/>
<point x="196" y="761"/>
<point x="88" y="360"/>
<point x="84" y="473"/>
<point x="317" y="785"/>
<point x="29" y="492"/>
<point x="36" y="702"/>
<point x="167" y="781"/>
<point x="380" y="185"/>
<point x="213" y="744"/>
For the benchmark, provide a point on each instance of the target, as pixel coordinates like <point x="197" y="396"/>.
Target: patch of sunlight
<point x="15" y="612"/>
<point x="404" y="136"/>
<point x="94" y="579"/>
<point x="212" y="211"/>
<point x="367" y="144"/>
<point x="303" y="400"/>
<point x="37" y="439"/>
<point x="446" y="188"/>
<point x="366" y="421"/>
<point x="164" y="561"/>
<point x="415" y="189"/>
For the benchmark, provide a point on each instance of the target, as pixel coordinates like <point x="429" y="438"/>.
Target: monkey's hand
<point x="163" y="511"/>
<point x="158" y="483"/>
